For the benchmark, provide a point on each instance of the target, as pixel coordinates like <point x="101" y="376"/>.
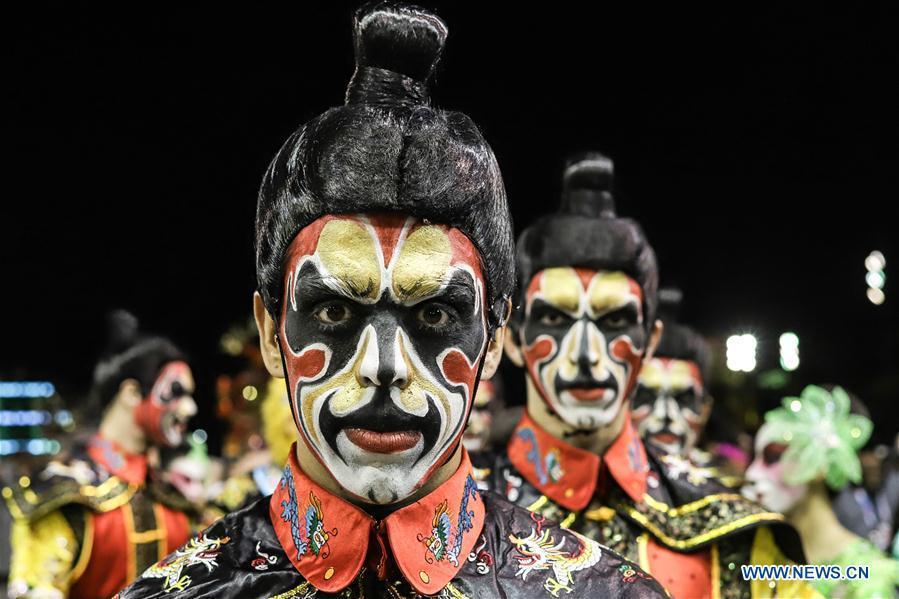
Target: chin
<point x="378" y="478"/>
<point x="590" y="417"/>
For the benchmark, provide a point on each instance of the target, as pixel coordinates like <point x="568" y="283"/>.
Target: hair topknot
<point x="587" y="186"/>
<point x="397" y="49"/>
<point x="678" y="341"/>
<point x="586" y="232"/>
<point x="387" y="150"/>
<point x="130" y="354"/>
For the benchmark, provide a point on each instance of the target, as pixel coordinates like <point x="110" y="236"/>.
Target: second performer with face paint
<point x="586" y="324"/>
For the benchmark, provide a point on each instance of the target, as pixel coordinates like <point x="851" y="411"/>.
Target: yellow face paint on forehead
<point x="422" y="265"/>
<point x="610" y="291"/>
<point x="671" y="374"/>
<point x="561" y="287"/>
<point x="347" y="250"/>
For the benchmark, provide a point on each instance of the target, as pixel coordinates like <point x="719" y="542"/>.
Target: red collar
<point x="132" y="468"/>
<point x="569" y="475"/>
<point x="327" y="538"/>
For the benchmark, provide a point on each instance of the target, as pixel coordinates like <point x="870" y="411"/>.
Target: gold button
<point x="569" y="492"/>
<point x="424" y="576"/>
<point x="329" y="573"/>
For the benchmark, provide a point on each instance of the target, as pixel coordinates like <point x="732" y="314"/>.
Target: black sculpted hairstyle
<point x="388" y="150"/>
<point x="679" y="341"/>
<point x="586" y="232"/>
<point x="130" y="354"/>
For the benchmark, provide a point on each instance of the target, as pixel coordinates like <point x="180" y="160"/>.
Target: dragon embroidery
<point x="201" y="549"/>
<point x="308" y="532"/>
<point x="549" y="467"/>
<point x="445" y="540"/>
<point x="539" y="551"/>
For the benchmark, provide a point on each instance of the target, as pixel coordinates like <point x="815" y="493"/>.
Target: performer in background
<point x="806" y="446"/>
<point x="88" y="525"/>
<point x="384" y="266"/>
<point x="671" y="404"/>
<point x="586" y="325"/>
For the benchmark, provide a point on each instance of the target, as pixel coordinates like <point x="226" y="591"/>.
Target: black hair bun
<point x="587" y="186"/>
<point x="122" y="329"/>
<point x="670" y="300"/>
<point x="397" y="47"/>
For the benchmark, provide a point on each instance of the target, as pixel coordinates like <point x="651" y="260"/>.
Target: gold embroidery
<point x="703" y="538"/>
<point x="303" y="588"/>
<point x="538" y="504"/>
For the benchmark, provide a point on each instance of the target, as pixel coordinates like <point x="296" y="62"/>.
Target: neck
<point x="322" y="477"/>
<point x="595" y="440"/>
<point x="823" y="537"/>
<point x="118" y="425"/>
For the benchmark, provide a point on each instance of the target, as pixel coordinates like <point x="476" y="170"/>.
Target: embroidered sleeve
<point x="197" y="561"/>
<point x="44" y="556"/>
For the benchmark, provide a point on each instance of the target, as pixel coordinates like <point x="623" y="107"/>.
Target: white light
<point x="741" y="352"/>
<point x="789" y="362"/>
<point x="875" y="261"/>
<point x="199" y="436"/>
<point x="789" y="351"/>
<point x="26" y="389"/>
<point x="795" y="405"/>
<point x="875" y="279"/>
<point x="876" y="296"/>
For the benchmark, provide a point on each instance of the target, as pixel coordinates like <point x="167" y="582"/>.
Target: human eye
<point x="333" y="313"/>
<point x="433" y="315"/>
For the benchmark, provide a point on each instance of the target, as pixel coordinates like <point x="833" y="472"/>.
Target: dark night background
<point x="757" y="147"/>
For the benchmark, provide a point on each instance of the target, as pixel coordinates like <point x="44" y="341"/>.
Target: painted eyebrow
<point x="317" y="285"/>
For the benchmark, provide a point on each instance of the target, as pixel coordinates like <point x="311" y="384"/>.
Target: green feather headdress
<point x="823" y="437"/>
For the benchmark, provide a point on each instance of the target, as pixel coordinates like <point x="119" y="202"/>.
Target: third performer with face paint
<point x="585" y="324"/>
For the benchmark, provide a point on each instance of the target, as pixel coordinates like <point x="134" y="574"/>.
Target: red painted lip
<point x="378" y="442"/>
<point x="666" y="438"/>
<point x="587" y="393"/>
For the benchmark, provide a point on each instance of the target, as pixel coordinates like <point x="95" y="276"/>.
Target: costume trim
<point x="87" y="545"/>
<point x="716" y="572"/>
<point x="697" y="541"/>
<point x="643" y="551"/>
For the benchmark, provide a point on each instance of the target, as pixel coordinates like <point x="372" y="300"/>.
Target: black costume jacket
<point x="455" y="542"/>
<point x="665" y="513"/>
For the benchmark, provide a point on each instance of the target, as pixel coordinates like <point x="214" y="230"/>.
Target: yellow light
<point x="250" y="393"/>
<point x="24" y="482"/>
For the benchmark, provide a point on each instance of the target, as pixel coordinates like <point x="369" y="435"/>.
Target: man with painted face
<point x="671" y="405"/>
<point x="585" y="325"/>
<point x="384" y="272"/>
<point x="86" y="526"/>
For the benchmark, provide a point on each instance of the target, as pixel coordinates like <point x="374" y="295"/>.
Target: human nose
<point x="383" y="361"/>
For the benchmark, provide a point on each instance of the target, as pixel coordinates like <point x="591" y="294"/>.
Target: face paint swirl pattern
<point x="382" y="331"/>
<point x="583" y="339"/>
<point x="669" y="403"/>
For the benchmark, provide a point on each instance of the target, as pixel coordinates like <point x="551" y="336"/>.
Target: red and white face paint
<point x="669" y="404"/>
<point x="382" y="331"/>
<point x="766" y="478"/>
<point x="583" y="339"/>
<point x="164" y="413"/>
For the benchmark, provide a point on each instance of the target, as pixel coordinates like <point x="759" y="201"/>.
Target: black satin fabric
<point x="491" y="570"/>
